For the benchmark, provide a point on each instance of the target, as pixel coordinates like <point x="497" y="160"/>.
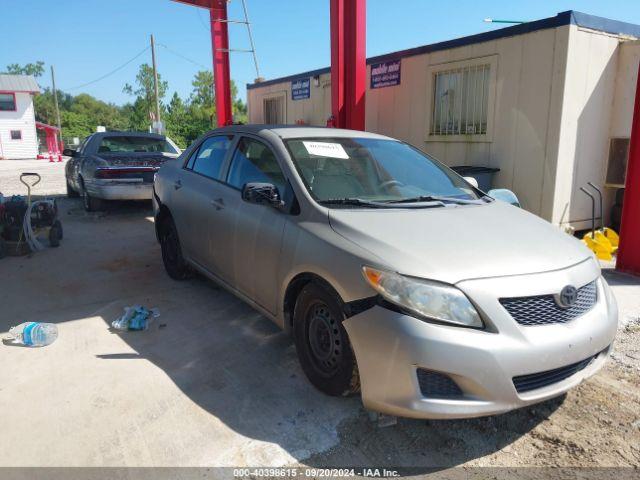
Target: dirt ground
<point x="214" y="383"/>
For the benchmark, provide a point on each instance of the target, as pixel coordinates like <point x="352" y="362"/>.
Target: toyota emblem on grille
<point x="568" y="296"/>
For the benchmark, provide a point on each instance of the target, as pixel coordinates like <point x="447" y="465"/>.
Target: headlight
<point x="428" y="299"/>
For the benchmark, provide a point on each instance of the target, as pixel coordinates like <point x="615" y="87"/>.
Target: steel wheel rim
<point x="324" y="338"/>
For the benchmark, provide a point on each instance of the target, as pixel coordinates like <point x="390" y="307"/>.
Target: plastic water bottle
<point x="34" y="334"/>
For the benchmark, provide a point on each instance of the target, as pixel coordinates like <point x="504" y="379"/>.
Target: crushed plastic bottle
<point x="136" y="317"/>
<point x="34" y="334"/>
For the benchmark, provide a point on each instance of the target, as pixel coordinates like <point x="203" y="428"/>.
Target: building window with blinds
<point x="461" y="101"/>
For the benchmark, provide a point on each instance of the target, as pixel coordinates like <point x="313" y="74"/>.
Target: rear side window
<point x="253" y="161"/>
<point x="208" y="159"/>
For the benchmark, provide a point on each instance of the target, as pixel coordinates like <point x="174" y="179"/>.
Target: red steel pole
<point x="348" y="63"/>
<point x="220" y="50"/>
<point x="355" y="58"/>
<point x="337" y="63"/>
<point x="628" y="260"/>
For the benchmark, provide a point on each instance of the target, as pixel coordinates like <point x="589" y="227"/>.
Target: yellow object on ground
<point x="612" y="236"/>
<point x="601" y="245"/>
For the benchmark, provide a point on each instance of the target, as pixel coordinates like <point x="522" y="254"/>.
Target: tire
<point x="91" y="204"/>
<point x="55" y="234"/>
<point x="174" y="262"/>
<point x="71" y="193"/>
<point x="322" y="343"/>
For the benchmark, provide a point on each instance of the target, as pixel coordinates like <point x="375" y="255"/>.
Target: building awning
<point x="44" y="126"/>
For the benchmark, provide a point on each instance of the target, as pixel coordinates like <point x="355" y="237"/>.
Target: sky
<point x="87" y="39"/>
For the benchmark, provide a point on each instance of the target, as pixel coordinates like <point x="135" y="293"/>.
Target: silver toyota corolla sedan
<point x="394" y="275"/>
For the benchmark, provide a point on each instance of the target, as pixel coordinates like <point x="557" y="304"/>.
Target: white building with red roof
<point x="18" y="137"/>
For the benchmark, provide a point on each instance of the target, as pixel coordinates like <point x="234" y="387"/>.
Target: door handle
<point x="177" y="184"/>
<point x="218" y="203"/>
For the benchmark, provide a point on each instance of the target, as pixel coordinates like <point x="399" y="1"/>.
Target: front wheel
<point x="322" y="343"/>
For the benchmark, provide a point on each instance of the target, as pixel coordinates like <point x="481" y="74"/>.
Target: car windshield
<point x="128" y="144"/>
<point x="374" y="170"/>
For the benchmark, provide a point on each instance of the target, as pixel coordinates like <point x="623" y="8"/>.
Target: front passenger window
<point x="253" y="161"/>
<point x="208" y="159"/>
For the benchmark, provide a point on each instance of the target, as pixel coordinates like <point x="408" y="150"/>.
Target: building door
<point x="274" y="110"/>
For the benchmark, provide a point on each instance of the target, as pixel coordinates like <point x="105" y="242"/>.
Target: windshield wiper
<point x="358" y="202"/>
<point x="435" y="198"/>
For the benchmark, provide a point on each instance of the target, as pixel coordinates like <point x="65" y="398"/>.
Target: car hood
<point x="451" y="244"/>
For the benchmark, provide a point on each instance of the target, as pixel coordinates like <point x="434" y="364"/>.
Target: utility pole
<point x="55" y="99"/>
<point x="155" y="83"/>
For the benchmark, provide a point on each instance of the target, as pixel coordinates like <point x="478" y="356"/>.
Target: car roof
<point x="300" y="131"/>
<point x="120" y="133"/>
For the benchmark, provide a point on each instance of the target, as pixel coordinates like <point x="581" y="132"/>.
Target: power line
<point x="204" y="25"/>
<point x="110" y="73"/>
<point x="178" y="54"/>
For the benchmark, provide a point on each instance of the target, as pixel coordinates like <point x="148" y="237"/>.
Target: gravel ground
<point x="595" y="425"/>
<point x="52" y="174"/>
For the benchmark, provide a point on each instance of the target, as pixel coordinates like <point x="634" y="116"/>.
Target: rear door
<point x="195" y="199"/>
<point x="258" y="229"/>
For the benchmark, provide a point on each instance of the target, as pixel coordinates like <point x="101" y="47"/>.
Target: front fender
<point x="314" y="248"/>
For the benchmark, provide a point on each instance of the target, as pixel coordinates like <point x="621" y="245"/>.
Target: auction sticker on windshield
<point x="326" y="149"/>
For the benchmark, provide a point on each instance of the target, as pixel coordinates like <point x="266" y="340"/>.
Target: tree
<point x="203" y="99"/>
<point x="177" y="122"/>
<point x="35" y="69"/>
<point x="98" y="112"/>
<point x="145" y="104"/>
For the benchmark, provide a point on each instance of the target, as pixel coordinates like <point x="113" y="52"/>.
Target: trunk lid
<point x="133" y="167"/>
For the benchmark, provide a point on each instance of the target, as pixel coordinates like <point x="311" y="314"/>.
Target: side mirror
<point x="504" y="195"/>
<point x="262" y="194"/>
<point x="472" y="181"/>
<point x="67" y="152"/>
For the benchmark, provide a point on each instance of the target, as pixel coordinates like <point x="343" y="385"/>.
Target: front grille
<point x="533" y="381"/>
<point x="543" y="309"/>
<point x="437" y="385"/>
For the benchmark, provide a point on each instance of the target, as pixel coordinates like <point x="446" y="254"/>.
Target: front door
<point x="258" y="228"/>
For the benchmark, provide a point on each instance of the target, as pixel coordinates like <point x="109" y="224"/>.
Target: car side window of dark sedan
<point x="208" y="159"/>
<point x="253" y="161"/>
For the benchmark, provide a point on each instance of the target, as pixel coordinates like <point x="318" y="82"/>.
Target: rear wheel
<point x="322" y="343"/>
<point x="70" y="191"/>
<point x="91" y="204"/>
<point x="172" y="258"/>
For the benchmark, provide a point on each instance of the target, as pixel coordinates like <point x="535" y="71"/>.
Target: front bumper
<point x="391" y="346"/>
<point x="112" y="190"/>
